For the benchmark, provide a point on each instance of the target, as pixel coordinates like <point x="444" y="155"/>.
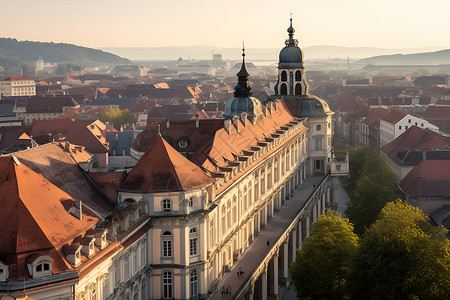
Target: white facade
<point x="197" y="234"/>
<point x="389" y="131"/>
<point x="19" y="87"/>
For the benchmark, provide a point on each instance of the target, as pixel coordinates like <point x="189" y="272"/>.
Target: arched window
<point x="291" y="83"/>
<point x="298" y="89"/>
<point x="229" y="214"/>
<point x="167" y="285"/>
<point x="283" y="76"/>
<point x="298" y="76"/>
<point x="194" y="283"/>
<point x="41" y="266"/>
<point x="167" y="240"/>
<point x="193" y="241"/>
<point x="283" y="89"/>
<point x="167" y="205"/>
<point x="318" y="127"/>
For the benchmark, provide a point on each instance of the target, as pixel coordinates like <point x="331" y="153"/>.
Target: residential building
<point x="395" y="122"/>
<point x="17" y="86"/>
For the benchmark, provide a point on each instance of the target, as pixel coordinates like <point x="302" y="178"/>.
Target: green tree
<point x="402" y="256"/>
<point x="117" y="117"/>
<point x="322" y="265"/>
<point x="375" y="187"/>
<point x="357" y="158"/>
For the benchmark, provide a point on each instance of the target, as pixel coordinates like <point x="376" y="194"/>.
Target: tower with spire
<point x="293" y="89"/>
<point x="243" y="100"/>
<point x="291" y="77"/>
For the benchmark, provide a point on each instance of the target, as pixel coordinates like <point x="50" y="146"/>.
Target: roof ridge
<point x="172" y="165"/>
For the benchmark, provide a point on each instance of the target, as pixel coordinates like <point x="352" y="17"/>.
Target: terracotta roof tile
<point x="32" y="217"/>
<point x="430" y="178"/>
<point x="393" y="116"/>
<point x="163" y="169"/>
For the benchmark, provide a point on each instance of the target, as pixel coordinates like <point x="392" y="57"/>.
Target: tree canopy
<point x="117" y="117"/>
<point x="375" y="186"/>
<point x="402" y="256"/>
<point x="323" y="263"/>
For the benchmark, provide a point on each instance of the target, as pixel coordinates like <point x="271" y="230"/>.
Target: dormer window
<point x="4" y="271"/>
<point x="191" y="202"/>
<point x="166" y="205"/>
<point x="40" y="266"/>
<point x="182" y="144"/>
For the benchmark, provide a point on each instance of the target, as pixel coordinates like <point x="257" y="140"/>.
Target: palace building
<point x="212" y="208"/>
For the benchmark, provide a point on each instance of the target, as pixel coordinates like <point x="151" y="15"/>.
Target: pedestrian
<point x="268" y="244"/>
<point x="223" y="291"/>
<point x="229" y="290"/>
<point x="314" y="186"/>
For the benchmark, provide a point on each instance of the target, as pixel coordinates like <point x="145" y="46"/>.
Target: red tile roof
<point x="415" y="138"/>
<point x="15" y="78"/>
<point x="430" y="178"/>
<point x="77" y="132"/>
<point x="393" y="116"/>
<point x="33" y="219"/>
<point x="436" y="112"/>
<point x="163" y="169"/>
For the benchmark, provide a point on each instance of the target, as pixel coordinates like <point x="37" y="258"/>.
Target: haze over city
<point x="137" y="23"/>
<point x="224" y="150"/>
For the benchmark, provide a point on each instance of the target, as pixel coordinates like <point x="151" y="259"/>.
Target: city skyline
<point x="135" y="23"/>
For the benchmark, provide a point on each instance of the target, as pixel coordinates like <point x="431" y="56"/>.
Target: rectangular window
<point x="409" y="120"/>
<point x="193" y="246"/>
<point x="167" y="248"/>
<point x="318" y="143"/>
<point x="399" y="127"/>
<point x="127" y="267"/>
<point x="211" y="233"/>
<point x="143" y="262"/>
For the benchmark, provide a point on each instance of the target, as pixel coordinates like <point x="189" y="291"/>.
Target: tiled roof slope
<point x="57" y="166"/>
<point x="178" y="129"/>
<point x="163" y="169"/>
<point x="430" y="178"/>
<point x="393" y="116"/>
<point x="32" y="218"/>
<point x="415" y="138"/>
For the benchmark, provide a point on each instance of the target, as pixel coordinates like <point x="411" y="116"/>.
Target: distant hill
<point x="253" y="54"/>
<point x="441" y="57"/>
<point x="55" y="53"/>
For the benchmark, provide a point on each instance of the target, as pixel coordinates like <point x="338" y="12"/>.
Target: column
<point x="294" y="244"/>
<point x="252" y="230"/>
<point x="266" y="212"/>
<point x="258" y="221"/>
<point x="324" y="195"/>
<point x="285" y="257"/>
<point x="314" y="212"/>
<point x="300" y="233"/>
<point x="264" y="285"/>
<point x="308" y="224"/>
<point x="275" y="276"/>
<point x="272" y="207"/>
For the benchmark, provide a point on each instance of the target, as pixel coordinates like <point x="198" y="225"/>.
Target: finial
<point x="243" y="49"/>
<point x="159" y="130"/>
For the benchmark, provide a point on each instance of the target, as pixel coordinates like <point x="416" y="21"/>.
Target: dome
<point x="311" y="106"/>
<point x="237" y="105"/>
<point x="291" y="54"/>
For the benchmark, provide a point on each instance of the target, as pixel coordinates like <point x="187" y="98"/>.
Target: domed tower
<point x="243" y="100"/>
<point x="291" y="76"/>
<point x="293" y="89"/>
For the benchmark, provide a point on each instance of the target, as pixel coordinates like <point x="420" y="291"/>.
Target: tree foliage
<point x="402" y="257"/>
<point x="117" y="117"/>
<point x="357" y="159"/>
<point x="375" y="186"/>
<point x="322" y="265"/>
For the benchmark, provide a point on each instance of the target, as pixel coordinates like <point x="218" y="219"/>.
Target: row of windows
<point x="167" y="243"/>
<point x="230" y="212"/>
<point x="298" y="76"/>
<point x="167" y="282"/>
<point x="406" y="126"/>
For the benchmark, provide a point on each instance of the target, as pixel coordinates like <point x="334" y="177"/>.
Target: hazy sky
<point x="261" y="23"/>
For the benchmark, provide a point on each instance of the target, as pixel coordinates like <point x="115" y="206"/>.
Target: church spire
<point x="291" y="41"/>
<point x="242" y="89"/>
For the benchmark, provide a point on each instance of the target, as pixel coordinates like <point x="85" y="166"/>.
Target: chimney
<point x="236" y="122"/>
<point x="264" y="110"/>
<point x="275" y="102"/>
<point x="167" y="123"/>
<point x="244" y="118"/>
<point x="197" y="120"/>
<point x="227" y="124"/>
